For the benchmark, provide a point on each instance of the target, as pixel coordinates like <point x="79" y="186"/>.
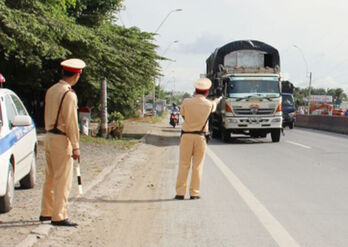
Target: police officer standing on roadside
<point x="61" y="144"/>
<point x="195" y="112"/>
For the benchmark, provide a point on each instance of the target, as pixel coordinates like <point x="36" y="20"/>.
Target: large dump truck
<point x="246" y="74"/>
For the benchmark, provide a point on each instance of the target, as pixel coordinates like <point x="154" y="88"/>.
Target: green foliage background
<point x="301" y="93"/>
<point x="36" y="35"/>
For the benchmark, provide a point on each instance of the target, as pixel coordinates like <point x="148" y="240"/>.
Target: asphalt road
<point x="254" y="192"/>
<point x="259" y="193"/>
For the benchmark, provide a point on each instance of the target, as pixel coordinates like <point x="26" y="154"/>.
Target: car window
<point x="19" y="106"/>
<point x="11" y="111"/>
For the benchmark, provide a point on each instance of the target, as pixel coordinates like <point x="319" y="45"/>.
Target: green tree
<point x="337" y="93"/>
<point x="93" y="13"/>
<point x="36" y="35"/>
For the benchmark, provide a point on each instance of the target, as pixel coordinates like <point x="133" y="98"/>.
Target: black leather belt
<point x="193" y="132"/>
<point x="56" y="131"/>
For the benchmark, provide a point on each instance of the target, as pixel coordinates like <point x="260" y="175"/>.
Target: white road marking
<point x="272" y="225"/>
<point x="298" y="144"/>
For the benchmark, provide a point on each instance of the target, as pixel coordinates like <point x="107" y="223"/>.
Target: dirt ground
<point x="107" y="171"/>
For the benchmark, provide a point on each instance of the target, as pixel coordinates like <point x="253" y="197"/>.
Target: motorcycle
<point x="174" y="119"/>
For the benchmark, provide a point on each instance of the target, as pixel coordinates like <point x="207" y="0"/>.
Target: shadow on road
<point x="241" y="140"/>
<point x="171" y="130"/>
<point x="19" y="223"/>
<point x="162" y="141"/>
<point x="102" y="200"/>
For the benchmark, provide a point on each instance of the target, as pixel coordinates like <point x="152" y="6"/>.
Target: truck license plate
<point x="254" y="120"/>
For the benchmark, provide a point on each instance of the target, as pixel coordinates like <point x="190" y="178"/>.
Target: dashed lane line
<point x="298" y="144"/>
<point x="271" y="224"/>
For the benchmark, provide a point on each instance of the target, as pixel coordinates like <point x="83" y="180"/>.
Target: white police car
<point x="18" y="143"/>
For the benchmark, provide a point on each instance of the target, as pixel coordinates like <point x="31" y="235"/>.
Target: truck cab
<point x="251" y="105"/>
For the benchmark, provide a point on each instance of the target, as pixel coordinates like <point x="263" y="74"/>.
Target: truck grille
<point x="264" y="111"/>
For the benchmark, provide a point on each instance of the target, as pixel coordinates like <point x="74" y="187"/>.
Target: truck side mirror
<point x="226" y="80"/>
<point x="218" y="92"/>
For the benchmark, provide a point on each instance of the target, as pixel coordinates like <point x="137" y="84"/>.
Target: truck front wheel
<point x="275" y="135"/>
<point x="213" y="132"/>
<point x="225" y="135"/>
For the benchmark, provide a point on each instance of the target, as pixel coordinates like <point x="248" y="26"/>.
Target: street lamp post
<point x="164" y="52"/>
<point x="156" y="31"/>
<point x="154" y="91"/>
<point x="310" y="76"/>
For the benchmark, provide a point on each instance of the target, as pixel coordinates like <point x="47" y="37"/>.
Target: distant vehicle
<point x="338" y="112"/>
<point x="289" y="110"/>
<point x="18" y="143"/>
<point x="148" y="109"/>
<point x="320" y="109"/>
<point x="288" y="104"/>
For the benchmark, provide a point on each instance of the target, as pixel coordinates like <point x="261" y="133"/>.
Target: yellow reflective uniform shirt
<point x="67" y="120"/>
<point x="195" y="112"/>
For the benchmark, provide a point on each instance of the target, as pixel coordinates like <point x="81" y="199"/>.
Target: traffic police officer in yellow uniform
<point x="195" y="112"/>
<point x="61" y="144"/>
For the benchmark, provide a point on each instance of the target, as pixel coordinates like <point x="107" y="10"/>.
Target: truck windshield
<point x="253" y="88"/>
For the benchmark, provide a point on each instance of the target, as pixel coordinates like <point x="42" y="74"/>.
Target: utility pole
<point x="310" y="77"/>
<point x="104" y="111"/>
<point x="309" y="91"/>
<point x="154" y="100"/>
<point x="142" y="105"/>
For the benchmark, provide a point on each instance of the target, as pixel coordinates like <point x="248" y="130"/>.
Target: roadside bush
<point x="115" y="125"/>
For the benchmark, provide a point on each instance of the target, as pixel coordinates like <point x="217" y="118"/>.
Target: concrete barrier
<point x="328" y="123"/>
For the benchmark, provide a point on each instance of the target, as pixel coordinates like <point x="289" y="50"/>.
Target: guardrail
<point x="337" y="124"/>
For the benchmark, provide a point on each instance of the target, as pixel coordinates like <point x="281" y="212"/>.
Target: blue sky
<point x="317" y="28"/>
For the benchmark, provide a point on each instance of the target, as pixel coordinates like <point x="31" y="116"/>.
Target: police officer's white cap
<point x="203" y="84"/>
<point x="73" y="65"/>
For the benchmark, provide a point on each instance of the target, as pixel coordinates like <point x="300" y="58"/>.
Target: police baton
<point x="78" y="175"/>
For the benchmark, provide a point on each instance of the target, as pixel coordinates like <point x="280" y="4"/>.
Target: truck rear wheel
<point x="275" y="135"/>
<point x="213" y="132"/>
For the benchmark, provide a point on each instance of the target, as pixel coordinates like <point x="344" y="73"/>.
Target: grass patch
<point x="124" y="144"/>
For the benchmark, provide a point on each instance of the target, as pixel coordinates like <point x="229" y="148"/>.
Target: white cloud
<point x="204" y="44"/>
<point x="318" y="28"/>
<point x="329" y="82"/>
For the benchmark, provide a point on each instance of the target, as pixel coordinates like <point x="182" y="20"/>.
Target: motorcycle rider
<point x="175" y="108"/>
<point x="175" y="113"/>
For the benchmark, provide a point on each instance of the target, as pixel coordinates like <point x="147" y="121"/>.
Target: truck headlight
<point x="231" y="120"/>
<point x="276" y="120"/>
